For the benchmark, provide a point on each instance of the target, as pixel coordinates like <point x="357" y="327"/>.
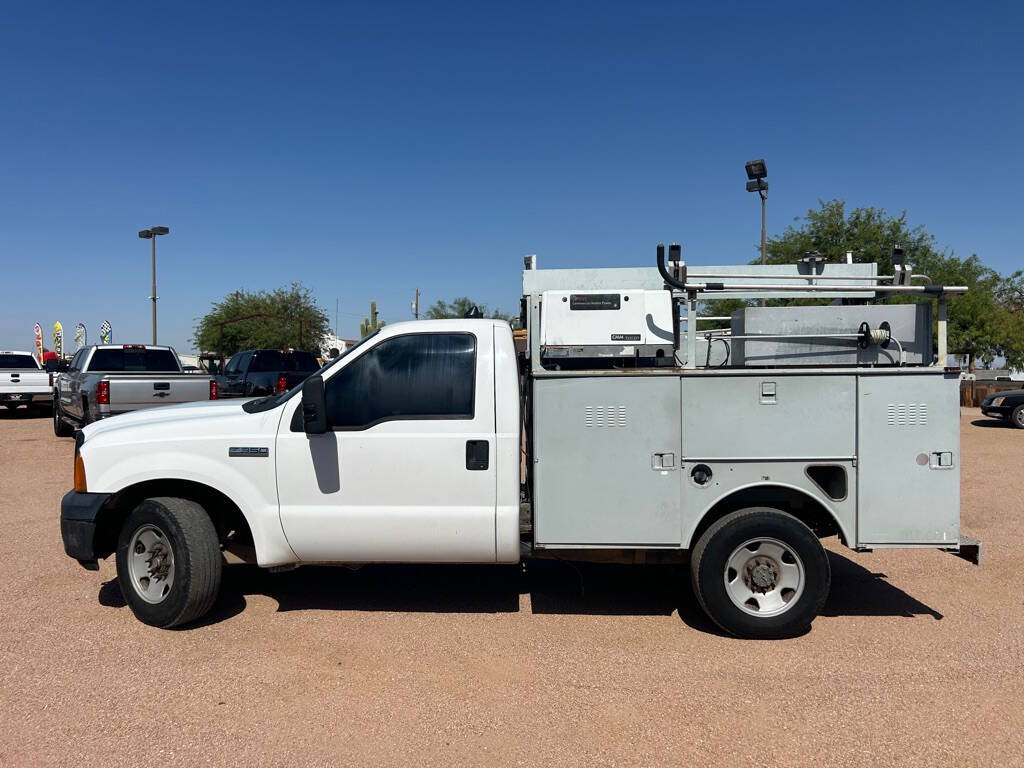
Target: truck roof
<point x="132" y="346"/>
<point x="15" y="352"/>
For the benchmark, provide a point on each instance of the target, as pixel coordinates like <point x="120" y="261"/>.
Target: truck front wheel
<point x="169" y="562"/>
<point x="760" y="573"/>
<point x="1017" y="417"/>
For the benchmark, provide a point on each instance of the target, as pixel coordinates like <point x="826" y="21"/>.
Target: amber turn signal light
<point x="80" y="484"/>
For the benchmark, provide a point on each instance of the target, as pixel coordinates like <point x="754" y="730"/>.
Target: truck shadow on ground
<point x="554" y="587"/>
<point x="997" y="423"/>
<point x="6" y="414"/>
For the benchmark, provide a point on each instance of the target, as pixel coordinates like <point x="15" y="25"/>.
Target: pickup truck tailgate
<point x="132" y="393"/>
<point x="21" y="385"/>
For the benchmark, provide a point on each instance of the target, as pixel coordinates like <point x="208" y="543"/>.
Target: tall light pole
<point x="757" y="172"/>
<point x="151" y="234"/>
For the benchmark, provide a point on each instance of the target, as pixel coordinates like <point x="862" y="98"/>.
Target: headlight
<point x="998" y="401"/>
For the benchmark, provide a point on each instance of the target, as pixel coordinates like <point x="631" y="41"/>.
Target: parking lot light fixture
<point x="151" y="235"/>
<point x="756" y="172"/>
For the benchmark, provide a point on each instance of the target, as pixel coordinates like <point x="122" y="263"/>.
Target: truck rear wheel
<point x="169" y="562"/>
<point x="760" y="573"/>
<point x="60" y="427"/>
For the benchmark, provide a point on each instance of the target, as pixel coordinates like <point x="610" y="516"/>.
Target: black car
<point x="1006" y="405"/>
<point x="259" y="372"/>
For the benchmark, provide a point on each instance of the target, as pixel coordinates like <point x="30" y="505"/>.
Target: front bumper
<point x="997" y="411"/>
<point x="78" y="513"/>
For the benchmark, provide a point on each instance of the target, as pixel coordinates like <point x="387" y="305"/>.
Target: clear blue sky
<point x="370" y="149"/>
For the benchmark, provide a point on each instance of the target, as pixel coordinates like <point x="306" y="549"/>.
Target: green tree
<point x="981" y="322"/>
<point x="285" y="317"/>
<point x="459" y="306"/>
<point x="1010" y="295"/>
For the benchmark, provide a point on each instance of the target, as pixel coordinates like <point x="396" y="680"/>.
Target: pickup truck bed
<point x="108" y="380"/>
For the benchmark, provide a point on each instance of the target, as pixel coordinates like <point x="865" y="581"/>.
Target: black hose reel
<point x="880" y="336"/>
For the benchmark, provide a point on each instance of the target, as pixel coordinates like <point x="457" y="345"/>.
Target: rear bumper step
<point x="970" y="550"/>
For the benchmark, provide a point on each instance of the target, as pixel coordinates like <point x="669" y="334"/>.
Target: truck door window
<point x="412" y="377"/>
<point x="76" y="361"/>
<point x="232" y="367"/>
<point x="243" y="362"/>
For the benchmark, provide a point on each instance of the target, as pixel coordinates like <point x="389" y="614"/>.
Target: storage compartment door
<point x="908" y="454"/>
<point x="607" y="469"/>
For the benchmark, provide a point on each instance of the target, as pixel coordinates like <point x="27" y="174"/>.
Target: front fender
<point x="252" y="488"/>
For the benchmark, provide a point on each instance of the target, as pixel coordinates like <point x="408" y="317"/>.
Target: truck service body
<point x="432" y="441"/>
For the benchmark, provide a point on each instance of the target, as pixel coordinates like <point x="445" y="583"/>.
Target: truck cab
<point x="415" y="459"/>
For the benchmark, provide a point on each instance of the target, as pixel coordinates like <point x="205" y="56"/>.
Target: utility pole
<point x="416" y="305"/>
<point x="151" y="234"/>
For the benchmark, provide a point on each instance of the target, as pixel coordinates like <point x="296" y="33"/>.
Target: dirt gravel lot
<point x="917" y="660"/>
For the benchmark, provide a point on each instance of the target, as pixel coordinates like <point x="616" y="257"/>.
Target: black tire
<point x="710" y="570"/>
<point x="1017" y="417"/>
<point x="197" y="563"/>
<point x="60" y="427"/>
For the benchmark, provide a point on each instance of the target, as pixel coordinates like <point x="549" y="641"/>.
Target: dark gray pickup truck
<point x="104" y="380"/>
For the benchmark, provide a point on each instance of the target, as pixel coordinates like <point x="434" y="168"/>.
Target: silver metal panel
<point x="537" y="281"/>
<point x="601" y="448"/>
<point x="911" y="325"/>
<point x="909" y="460"/>
<point x="727" y="416"/>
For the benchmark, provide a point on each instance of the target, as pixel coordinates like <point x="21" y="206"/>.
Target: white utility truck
<point x="620" y="432"/>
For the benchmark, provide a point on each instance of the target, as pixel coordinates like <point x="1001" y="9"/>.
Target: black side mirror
<point x="51" y="366"/>
<point x="314" y="406"/>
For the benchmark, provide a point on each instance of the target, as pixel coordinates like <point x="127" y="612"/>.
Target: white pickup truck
<point x="23" y="381"/>
<point x="608" y="436"/>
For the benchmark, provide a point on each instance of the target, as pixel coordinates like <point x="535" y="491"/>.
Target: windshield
<point x="134" y="360"/>
<point x="7" y="360"/>
<point x="272" y="401"/>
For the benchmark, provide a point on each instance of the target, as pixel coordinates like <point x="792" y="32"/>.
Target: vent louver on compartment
<point x="906" y="414"/>
<point x="604" y="415"/>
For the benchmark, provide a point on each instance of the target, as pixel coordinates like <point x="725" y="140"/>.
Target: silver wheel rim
<point x="1020" y="417"/>
<point x="150" y="563"/>
<point x="764" y="577"/>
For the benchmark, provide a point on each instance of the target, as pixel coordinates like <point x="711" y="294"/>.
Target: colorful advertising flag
<point x="58" y="340"/>
<point x="39" y="343"/>
<point x="80" y="336"/>
<point x="106" y="333"/>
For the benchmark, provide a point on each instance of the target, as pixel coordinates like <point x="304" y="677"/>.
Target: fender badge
<point x="238" y="453"/>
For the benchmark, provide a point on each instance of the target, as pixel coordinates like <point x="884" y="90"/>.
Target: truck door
<point x="234" y="374"/>
<point x="63" y="383"/>
<point x="406" y="471"/>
